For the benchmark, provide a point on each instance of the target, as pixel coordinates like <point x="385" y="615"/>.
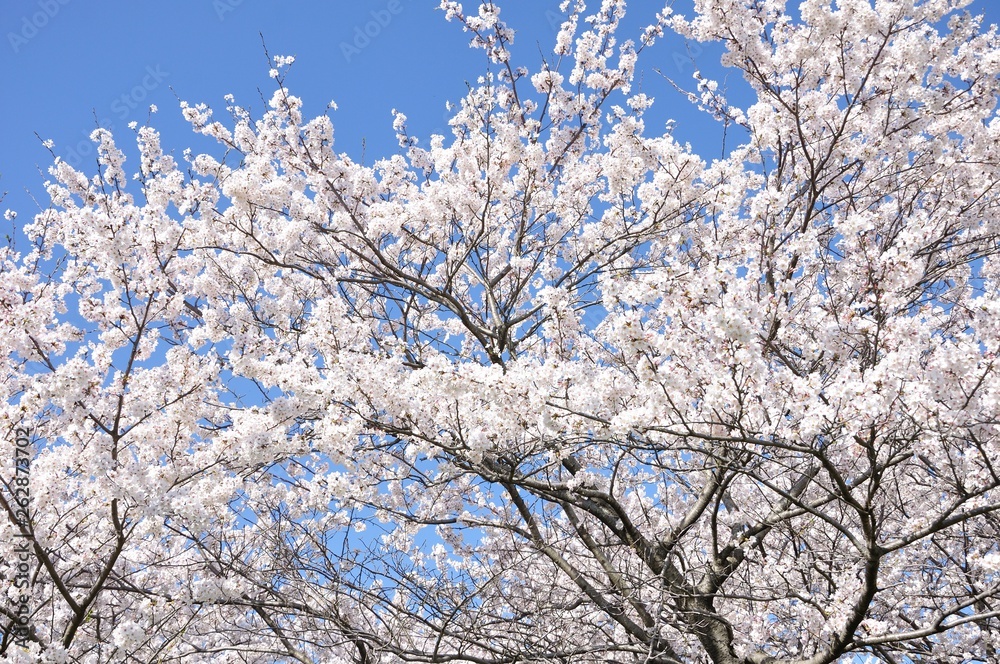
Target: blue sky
<point x="69" y="64"/>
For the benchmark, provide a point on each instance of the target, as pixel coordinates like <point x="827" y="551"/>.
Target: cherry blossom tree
<point x="552" y="388"/>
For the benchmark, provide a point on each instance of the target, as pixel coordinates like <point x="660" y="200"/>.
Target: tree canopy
<point x="552" y="388"/>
